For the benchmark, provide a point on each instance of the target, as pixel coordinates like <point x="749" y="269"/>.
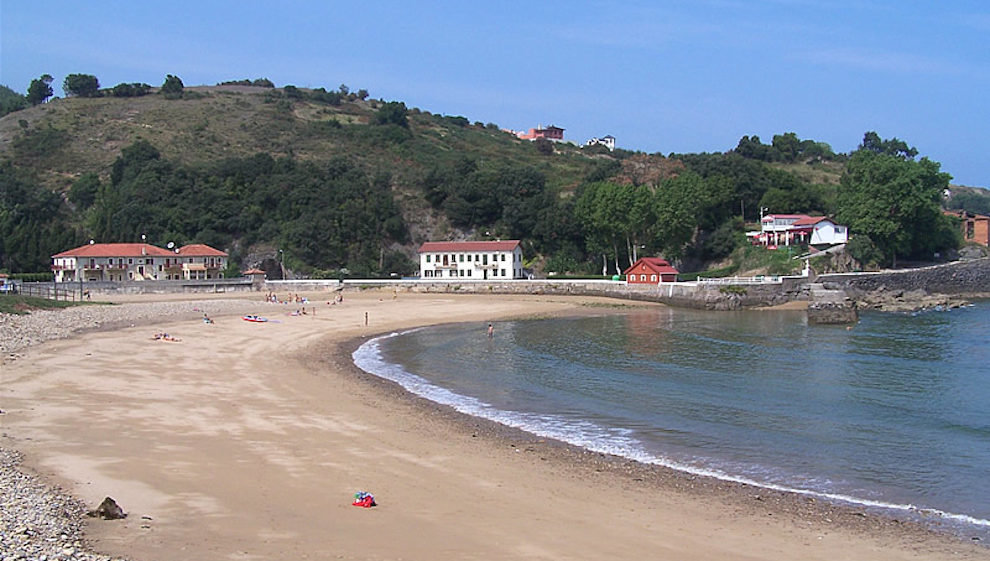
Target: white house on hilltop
<point x="119" y="262"/>
<point x="499" y="260"/>
<point x="607" y="141"/>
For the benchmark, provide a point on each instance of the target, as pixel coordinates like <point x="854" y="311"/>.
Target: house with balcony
<point x="797" y="229"/>
<point x="122" y="262"/>
<point x="492" y="260"/>
<point x="198" y="262"/>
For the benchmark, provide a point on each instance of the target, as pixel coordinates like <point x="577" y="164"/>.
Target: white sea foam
<point x="594" y="437"/>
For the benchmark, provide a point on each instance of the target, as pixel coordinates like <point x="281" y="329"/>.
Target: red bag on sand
<point x="366" y="500"/>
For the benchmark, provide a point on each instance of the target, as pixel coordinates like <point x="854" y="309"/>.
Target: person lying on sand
<point x="162" y="336"/>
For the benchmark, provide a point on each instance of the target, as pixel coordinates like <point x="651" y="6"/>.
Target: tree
<point x="83" y="191"/>
<point x="892" y="147"/>
<point x="81" y="85"/>
<point x="40" y="89"/>
<point x="787" y="146"/>
<point x="135" y="89"/>
<point x="543" y="146"/>
<point x="894" y="200"/>
<point x="292" y="92"/>
<point x="678" y="205"/>
<point x="11" y="101"/>
<point x="172" y="87"/>
<point x="391" y="113"/>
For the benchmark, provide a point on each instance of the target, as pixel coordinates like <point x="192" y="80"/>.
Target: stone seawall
<point x="687" y="294"/>
<point x="968" y="279"/>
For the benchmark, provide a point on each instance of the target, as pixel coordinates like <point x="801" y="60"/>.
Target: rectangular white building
<point x="499" y="260"/>
<point x="120" y="262"/>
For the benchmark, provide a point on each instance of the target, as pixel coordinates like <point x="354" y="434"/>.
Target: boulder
<point x="108" y="510"/>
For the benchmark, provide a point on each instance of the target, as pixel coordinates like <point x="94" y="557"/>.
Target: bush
<point x="862" y="249"/>
<point x="172" y="87"/>
<point x="130" y="90"/>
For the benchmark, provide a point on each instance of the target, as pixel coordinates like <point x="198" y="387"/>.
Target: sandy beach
<point x="248" y="440"/>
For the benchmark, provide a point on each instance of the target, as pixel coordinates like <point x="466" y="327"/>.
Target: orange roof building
<point x="498" y="260"/>
<point x="120" y="262"/>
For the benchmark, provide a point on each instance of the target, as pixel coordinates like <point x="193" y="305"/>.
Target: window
<point x="462" y="272"/>
<point x="461" y="258"/>
<point x="503" y="270"/>
<point x="469" y="272"/>
<point x="653" y="278"/>
<point x="503" y="257"/>
<point x="427" y="257"/>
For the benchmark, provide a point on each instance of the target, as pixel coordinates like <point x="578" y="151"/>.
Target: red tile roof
<point x="811" y="220"/>
<point x="115" y="250"/>
<point x="654" y="263"/>
<point x="200" y="250"/>
<point x="441" y="247"/>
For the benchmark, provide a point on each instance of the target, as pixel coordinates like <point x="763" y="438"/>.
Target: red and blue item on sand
<point x="361" y="498"/>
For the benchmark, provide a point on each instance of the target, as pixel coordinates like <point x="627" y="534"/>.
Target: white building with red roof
<point x="498" y="260"/>
<point x="120" y="262"/>
<point x="787" y="229"/>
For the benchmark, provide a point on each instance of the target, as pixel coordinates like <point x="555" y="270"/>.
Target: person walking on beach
<point x="491" y="331"/>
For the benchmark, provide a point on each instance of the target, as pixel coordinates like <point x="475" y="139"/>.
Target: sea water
<point x="890" y="414"/>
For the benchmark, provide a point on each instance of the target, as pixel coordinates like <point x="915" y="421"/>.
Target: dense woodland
<point x="340" y="185"/>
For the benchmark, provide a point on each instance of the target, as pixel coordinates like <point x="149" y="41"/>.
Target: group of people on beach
<point x="291" y="298"/>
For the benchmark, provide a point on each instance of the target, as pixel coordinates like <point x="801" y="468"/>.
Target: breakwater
<point x="967" y="279"/>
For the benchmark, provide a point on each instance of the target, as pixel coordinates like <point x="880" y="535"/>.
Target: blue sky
<point x="686" y="76"/>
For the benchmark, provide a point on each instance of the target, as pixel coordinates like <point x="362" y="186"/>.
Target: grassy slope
<point x="217" y="122"/>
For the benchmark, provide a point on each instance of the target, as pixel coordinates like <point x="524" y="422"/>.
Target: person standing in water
<point x="491" y="331"/>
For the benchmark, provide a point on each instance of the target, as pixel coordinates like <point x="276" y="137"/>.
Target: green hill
<point x="340" y="184"/>
<point x="55" y="145"/>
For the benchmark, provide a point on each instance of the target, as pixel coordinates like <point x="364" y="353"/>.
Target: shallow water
<point x="892" y="414"/>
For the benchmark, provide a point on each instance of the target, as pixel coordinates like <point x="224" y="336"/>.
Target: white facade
<point x="828" y="232"/>
<point x="785" y="229"/>
<point x="502" y="260"/>
<point x="607" y="141"/>
<point x="137" y="262"/>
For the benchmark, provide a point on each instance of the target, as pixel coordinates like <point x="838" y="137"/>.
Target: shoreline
<point x="326" y="367"/>
<point x="745" y="498"/>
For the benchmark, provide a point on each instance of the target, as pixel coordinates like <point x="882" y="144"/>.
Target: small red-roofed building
<point x="494" y="260"/>
<point x="121" y="262"/>
<point x="650" y="270"/>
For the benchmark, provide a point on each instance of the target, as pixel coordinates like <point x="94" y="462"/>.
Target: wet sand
<point x="248" y="441"/>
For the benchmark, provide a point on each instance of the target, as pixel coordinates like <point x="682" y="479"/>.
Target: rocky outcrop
<point x="906" y="301"/>
<point x="937" y="287"/>
<point x="832" y="313"/>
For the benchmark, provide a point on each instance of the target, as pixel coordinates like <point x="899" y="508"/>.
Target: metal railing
<point x="759" y="279"/>
<point x="52" y="291"/>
